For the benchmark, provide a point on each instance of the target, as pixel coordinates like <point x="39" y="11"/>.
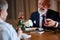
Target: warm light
<point x="21" y="15"/>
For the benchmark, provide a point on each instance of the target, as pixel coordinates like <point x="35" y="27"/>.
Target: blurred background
<point x="16" y="7"/>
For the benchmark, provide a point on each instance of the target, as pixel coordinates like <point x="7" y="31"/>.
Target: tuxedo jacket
<point x="50" y="14"/>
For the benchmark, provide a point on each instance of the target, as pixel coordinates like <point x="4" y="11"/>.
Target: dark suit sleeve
<point x="35" y="19"/>
<point x="58" y="20"/>
<point x="58" y="25"/>
<point x="32" y="16"/>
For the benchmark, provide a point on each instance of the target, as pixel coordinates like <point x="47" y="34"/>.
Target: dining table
<point x="46" y="35"/>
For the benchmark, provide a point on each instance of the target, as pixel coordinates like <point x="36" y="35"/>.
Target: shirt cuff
<point x="56" y="25"/>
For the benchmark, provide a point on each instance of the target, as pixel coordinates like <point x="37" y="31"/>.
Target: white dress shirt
<point x="7" y="31"/>
<point x="41" y="18"/>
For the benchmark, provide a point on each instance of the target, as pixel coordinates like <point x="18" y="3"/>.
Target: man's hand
<point x="50" y="23"/>
<point x="19" y="32"/>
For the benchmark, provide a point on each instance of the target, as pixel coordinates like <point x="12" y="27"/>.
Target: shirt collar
<point x="1" y="20"/>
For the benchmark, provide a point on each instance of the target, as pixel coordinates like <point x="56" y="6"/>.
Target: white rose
<point x="28" y="23"/>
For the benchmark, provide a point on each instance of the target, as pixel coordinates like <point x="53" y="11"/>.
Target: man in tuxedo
<point x="44" y="17"/>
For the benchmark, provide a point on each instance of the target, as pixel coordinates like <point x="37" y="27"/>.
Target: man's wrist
<point x="56" y="25"/>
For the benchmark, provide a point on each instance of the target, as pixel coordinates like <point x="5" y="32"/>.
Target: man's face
<point x="4" y="14"/>
<point x="42" y="5"/>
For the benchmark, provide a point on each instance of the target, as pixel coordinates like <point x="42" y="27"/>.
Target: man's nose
<point x="41" y="6"/>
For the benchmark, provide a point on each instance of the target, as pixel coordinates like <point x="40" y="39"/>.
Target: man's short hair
<point x="47" y="2"/>
<point x="3" y="5"/>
